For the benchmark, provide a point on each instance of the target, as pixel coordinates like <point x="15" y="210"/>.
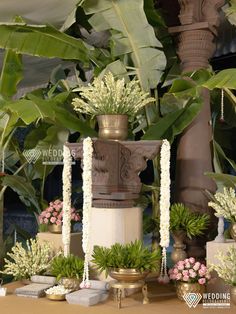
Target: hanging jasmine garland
<point x="164" y="207"/>
<point x="87" y="206"/>
<point x="66" y="178"/>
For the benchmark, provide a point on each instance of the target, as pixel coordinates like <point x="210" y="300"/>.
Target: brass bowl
<point x="55" y="228"/>
<point x="72" y="284"/>
<point x="128" y="275"/>
<point x="56" y="297"/>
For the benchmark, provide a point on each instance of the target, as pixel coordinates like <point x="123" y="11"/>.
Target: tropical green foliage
<point x="67" y="266"/>
<point x="131" y="255"/>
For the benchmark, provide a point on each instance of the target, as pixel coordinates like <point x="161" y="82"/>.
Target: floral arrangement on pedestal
<point x="226" y="269"/>
<point x="190" y="276"/>
<point x="53" y="215"/>
<point x="34" y="259"/>
<point x="224" y="203"/>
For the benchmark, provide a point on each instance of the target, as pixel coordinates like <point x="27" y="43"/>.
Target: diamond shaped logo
<point x="192" y="299"/>
<point x="32" y="155"/>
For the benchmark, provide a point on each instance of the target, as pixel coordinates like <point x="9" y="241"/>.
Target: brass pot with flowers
<point x="52" y="216"/>
<point x="126" y="263"/>
<point x="113" y="102"/>
<point x="224" y="203"/>
<point x="68" y="270"/>
<point x="190" y="276"/>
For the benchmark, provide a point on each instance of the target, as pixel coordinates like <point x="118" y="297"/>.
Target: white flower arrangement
<point x="110" y="96"/>
<point x="24" y="262"/>
<point x="57" y="290"/>
<point x="164" y="206"/>
<point x="226" y="269"/>
<point x="225" y="204"/>
<point x="66" y="178"/>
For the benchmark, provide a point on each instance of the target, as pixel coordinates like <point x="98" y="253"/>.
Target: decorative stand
<point x="120" y="286"/>
<point x="115" y="187"/>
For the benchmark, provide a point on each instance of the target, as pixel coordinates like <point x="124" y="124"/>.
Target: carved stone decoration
<point x="116" y="169"/>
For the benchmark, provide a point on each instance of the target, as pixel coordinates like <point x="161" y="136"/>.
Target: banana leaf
<point x="223" y="79"/>
<point x="42" y="41"/>
<point x="131" y="35"/>
<point x="173" y="123"/>
<point x="11" y="74"/>
<point x="222" y="179"/>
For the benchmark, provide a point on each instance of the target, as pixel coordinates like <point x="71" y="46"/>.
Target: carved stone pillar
<point x="199" y="19"/>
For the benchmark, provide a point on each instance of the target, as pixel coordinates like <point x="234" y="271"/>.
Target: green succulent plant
<point x="131" y="255"/>
<point x="69" y="267"/>
<point x="181" y="218"/>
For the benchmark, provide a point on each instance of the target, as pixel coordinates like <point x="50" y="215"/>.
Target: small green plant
<point x="131" y="255"/>
<point x="110" y="96"/>
<point x="23" y="262"/>
<point x="226" y="268"/>
<point x="67" y="267"/>
<point x="181" y="218"/>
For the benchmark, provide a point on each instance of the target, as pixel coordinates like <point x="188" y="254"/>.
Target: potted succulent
<point x="184" y="223"/>
<point x="190" y="277"/>
<point x="129" y="262"/>
<point x="224" y="203"/>
<point x="24" y="262"/>
<point x="68" y="270"/>
<point x="53" y="214"/>
<point x="113" y="102"/>
<point x="226" y="269"/>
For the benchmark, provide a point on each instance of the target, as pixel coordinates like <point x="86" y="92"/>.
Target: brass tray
<point x="56" y="297"/>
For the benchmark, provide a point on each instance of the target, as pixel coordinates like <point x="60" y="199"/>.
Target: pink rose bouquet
<point x="54" y="213"/>
<point x="190" y="271"/>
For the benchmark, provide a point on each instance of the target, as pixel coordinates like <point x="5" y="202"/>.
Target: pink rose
<point x="180" y="267"/>
<point x="202" y="281"/>
<point x="196" y="266"/>
<point x="187" y="265"/>
<point x="202" y="272"/>
<point x="185" y="278"/>
<point x="192" y="274"/>
<point x="178" y="276"/>
<point x="54" y="214"/>
<point x="173" y="277"/>
<point x="186" y="260"/>
<point x="185" y="272"/>
<point x="175" y="271"/>
<point x="53" y="220"/>
<point x="48" y="215"/>
<point x="192" y="260"/>
<point x="50" y="209"/>
<point x="45" y="220"/>
<point x="58" y="222"/>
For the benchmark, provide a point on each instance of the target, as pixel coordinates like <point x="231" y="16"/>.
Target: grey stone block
<point x="50" y="280"/>
<point x="87" y="297"/>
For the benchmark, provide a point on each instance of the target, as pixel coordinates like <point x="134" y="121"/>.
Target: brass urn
<point x="113" y="127"/>
<point x="187" y="287"/>
<point x="72" y="284"/>
<point x="178" y="253"/>
<point x="55" y="228"/>
<point x="128" y="275"/>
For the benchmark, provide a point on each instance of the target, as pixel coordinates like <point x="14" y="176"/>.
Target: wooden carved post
<point x="199" y="20"/>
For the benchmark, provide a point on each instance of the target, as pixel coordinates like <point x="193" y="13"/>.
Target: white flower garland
<point x="87" y="206"/>
<point x="164" y="206"/>
<point x="66" y="178"/>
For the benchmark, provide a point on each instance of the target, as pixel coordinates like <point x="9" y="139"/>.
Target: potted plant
<point x="226" y="269"/>
<point x="190" y="276"/>
<point x="129" y="262"/>
<point x="113" y="102"/>
<point x="224" y="203"/>
<point x="184" y="223"/>
<point x="68" y="270"/>
<point x="52" y="216"/>
<point x="24" y="262"/>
